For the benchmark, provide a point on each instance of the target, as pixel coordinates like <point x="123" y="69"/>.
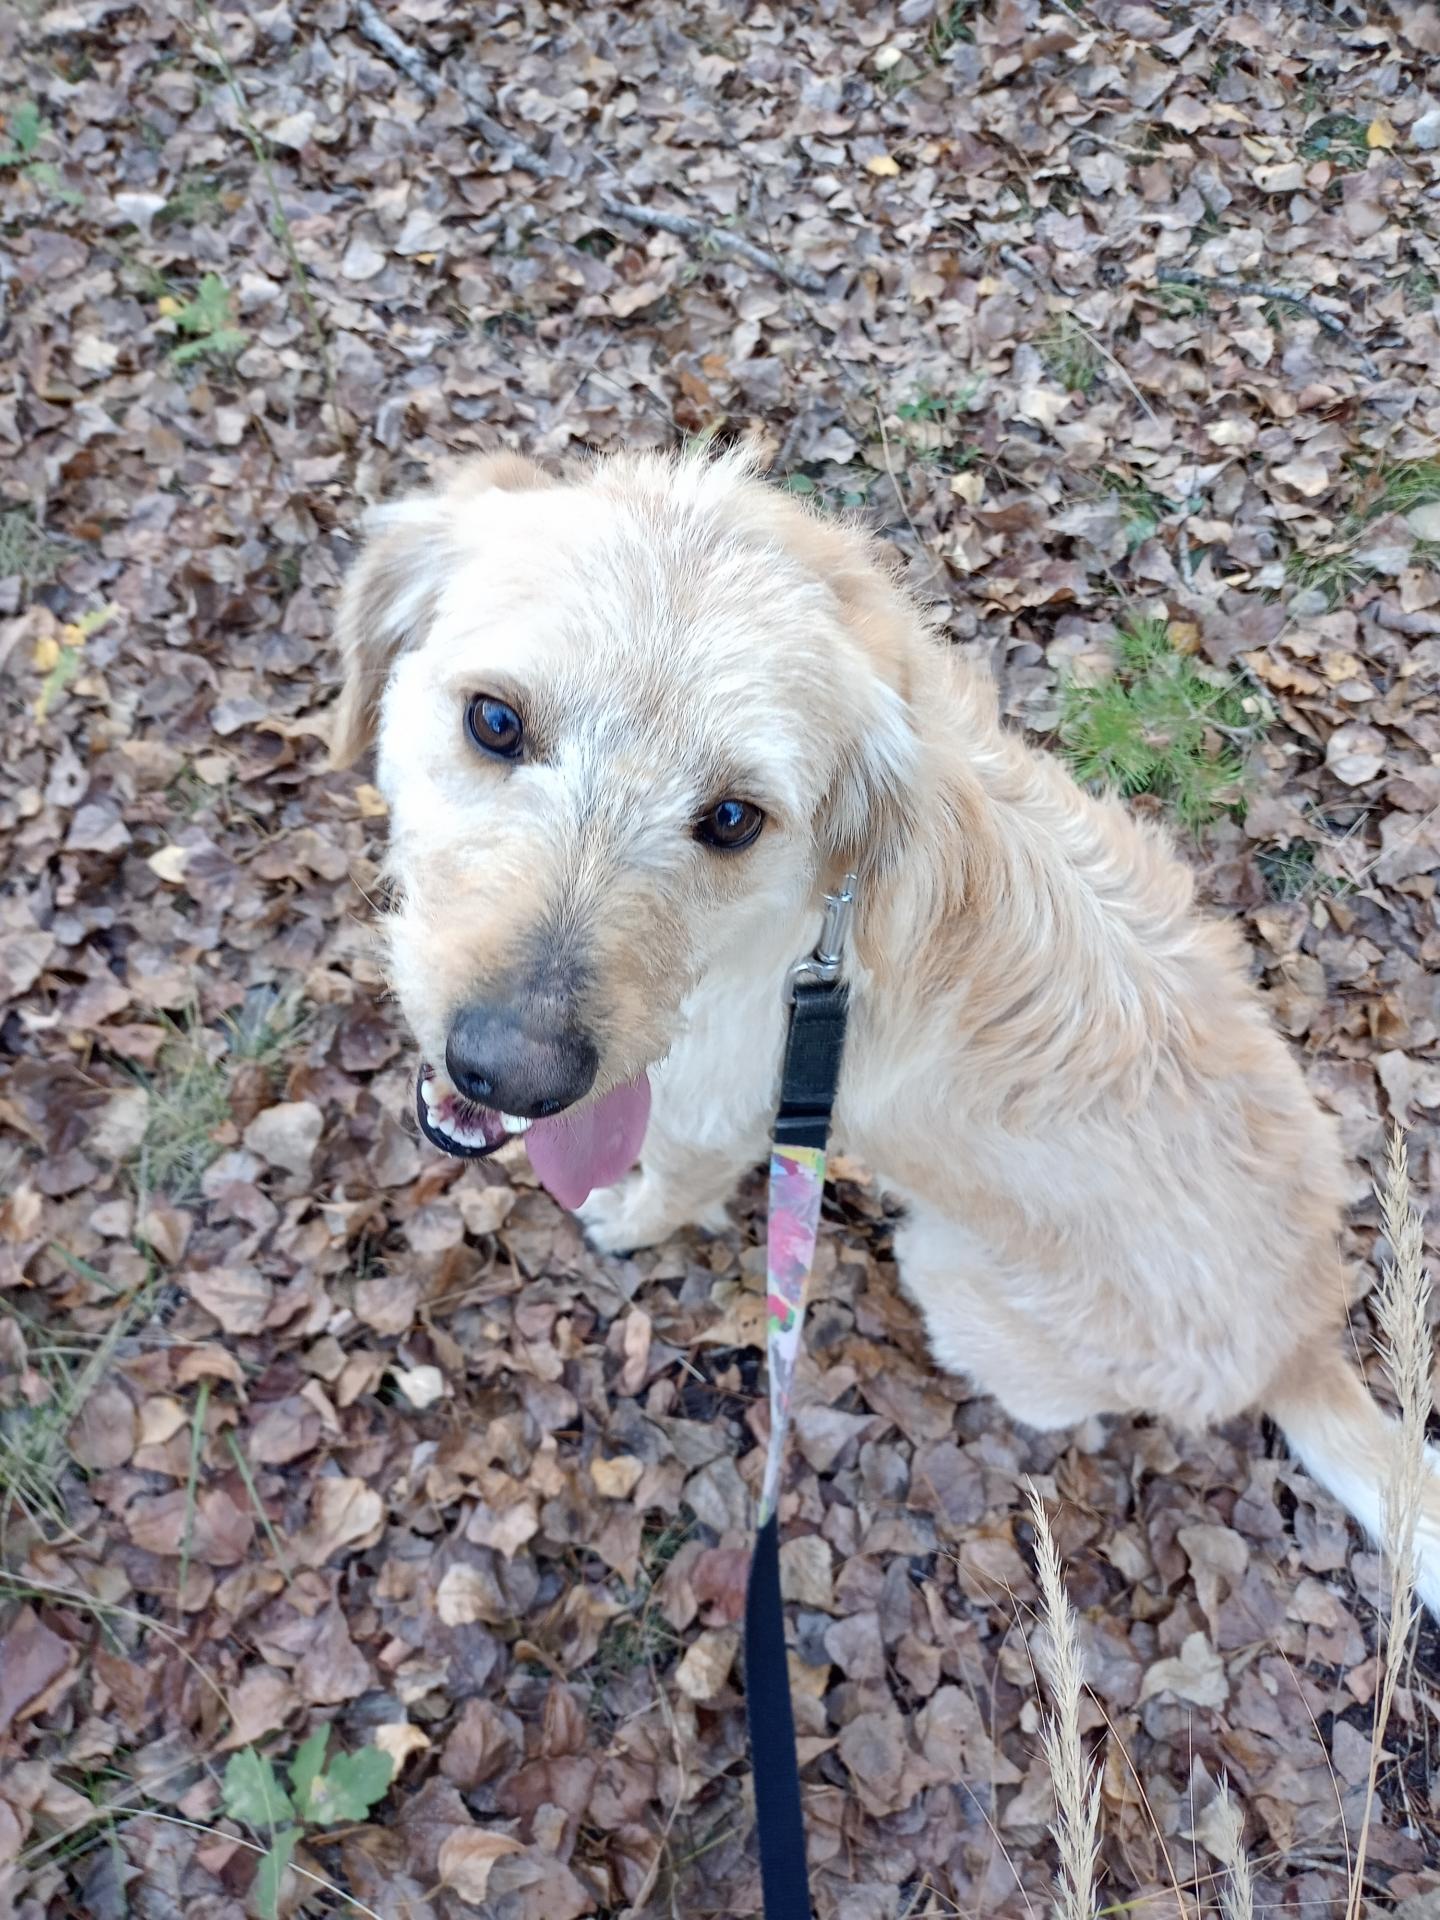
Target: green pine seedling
<point x="318" y="1797"/>
<point x="1158" y="726"/>
<point x="210" y="319"/>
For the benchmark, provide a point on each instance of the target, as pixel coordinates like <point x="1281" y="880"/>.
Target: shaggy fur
<point x="1119" y="1194"/>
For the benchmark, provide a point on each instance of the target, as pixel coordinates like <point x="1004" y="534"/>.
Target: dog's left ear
<point x="869" y="813"/>
<point x="390" y="593"/>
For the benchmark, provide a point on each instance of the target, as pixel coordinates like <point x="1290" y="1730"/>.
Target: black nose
<point x="494" y="1056"/>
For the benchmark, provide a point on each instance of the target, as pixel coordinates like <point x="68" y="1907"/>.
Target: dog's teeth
<point x="512" y="1125"/>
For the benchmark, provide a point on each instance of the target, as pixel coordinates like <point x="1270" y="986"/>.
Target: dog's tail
<point x="1338" y="1432"/>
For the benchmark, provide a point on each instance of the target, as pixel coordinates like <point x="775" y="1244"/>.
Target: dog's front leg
<point x="713" y="1106"/>
<point x="677" y="1184"/>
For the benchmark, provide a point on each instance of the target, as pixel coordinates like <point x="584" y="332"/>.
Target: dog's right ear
<point x="390" y="592"/>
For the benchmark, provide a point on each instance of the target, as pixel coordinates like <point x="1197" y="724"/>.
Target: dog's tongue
<point x="576" y="1152"/>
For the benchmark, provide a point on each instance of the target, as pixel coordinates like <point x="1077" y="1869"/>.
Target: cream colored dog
<point x="630" y="724"/>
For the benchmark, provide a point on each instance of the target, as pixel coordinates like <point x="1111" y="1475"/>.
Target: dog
<point x="631" y="722"/>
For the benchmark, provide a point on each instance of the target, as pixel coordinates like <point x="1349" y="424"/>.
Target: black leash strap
<point x="779" y="1821"/>
<point x="807" y="1096"/>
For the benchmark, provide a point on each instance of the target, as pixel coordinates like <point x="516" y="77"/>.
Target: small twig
<point x="787" y="446"/>
<point x="1182" y="552"/>
<point x="1021" y="265"/>
<point x="197" y="1441"/>
<point x="245" y="1474"/>
<point x="1253" y="290"/>
<point x="513" y="152"/>
<point x="383" y="37"/>
<point x="685" y="227"/>
<point x="234" y="1839"/>
<point x="920" y="543"/>
<point x="418" y="71"/>
<point x="260" y="147"/>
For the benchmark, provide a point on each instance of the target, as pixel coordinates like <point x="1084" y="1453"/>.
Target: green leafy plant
<point x="27" y="128"/>
<point x="829" y="499"/>
<point x="1157" y="725"/>
<point x="940" y="407"/>
<point x="1338" y="138"/>
<point x="209" y="318"/>
<point x="319" y="1796"/>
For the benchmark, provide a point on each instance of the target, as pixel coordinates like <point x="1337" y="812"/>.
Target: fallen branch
<point x="418" y="71"/>
<point x="1250" y="289"/>
<point x="720" y="239"/>
<point x="514" y="152"/>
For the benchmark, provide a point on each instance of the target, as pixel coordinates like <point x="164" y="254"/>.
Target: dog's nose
<point x="493" y="1056"/>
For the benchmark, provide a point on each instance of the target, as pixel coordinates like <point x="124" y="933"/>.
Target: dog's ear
<point x="869" y="812"/>
<point x="868" y="815"/>
<point x="390" y="593"/>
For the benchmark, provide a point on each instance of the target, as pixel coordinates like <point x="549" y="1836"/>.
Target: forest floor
<point x="1120" y="320"/>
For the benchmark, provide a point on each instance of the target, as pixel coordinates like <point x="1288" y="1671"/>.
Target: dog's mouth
<point x="589" y="1146"/>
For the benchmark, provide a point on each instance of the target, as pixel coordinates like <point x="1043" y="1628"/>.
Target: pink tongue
<point x="576" y="1152"/>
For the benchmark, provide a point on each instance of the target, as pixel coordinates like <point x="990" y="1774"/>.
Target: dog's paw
<point x="622" y="1218"/>
<point x="635" y="1213"/>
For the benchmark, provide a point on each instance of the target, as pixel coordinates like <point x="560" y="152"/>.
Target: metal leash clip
<point x="821" y="968"/>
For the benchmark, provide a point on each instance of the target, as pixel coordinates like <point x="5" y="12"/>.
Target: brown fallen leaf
<point x="344" y="1512"/>
<point x="704" y="1671"/>
<point x="468" y="1857"/>
<point x="286" y="1135"/>
<point x="238" y="1300"/>
<point x="220" y="1528"/>
<point x="1196" y="1674"/>
<point x="399" y="1739"/>
<point x="31" y="1657"/>
<point x="260" y="1703"/>
<point x="104" y="1433"/>
<point x="616" y="1478"/>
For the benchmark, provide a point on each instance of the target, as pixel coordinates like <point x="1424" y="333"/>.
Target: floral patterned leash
<point x="819" y="1002"/>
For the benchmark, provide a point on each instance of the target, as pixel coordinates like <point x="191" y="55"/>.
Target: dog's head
<point x="629" y="722"/>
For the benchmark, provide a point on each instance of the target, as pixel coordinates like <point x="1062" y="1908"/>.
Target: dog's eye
<point x="494" y="727"/>
<point x="730" y="825"/>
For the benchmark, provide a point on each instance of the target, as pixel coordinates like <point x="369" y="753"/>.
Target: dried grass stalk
<point x="1075" y="1777"/>
<point x="1402" y="1304"/>
<point x="1237" y="1889"/>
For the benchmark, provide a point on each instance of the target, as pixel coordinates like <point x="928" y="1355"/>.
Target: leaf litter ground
<point x="1113" y="317"/>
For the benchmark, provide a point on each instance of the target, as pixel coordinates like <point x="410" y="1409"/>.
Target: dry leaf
<point x="239" y="1301"/>
<point x="287" y="1135"/>
<point x="1310" y="477"/>
<point x="616" y="1478"/>
<point x="399" y="1739"/>
<point x="1355" y="752"/>
<point x="465" y="1596"/>
<point x="705" y="1669"/>
<point x="1197" y="1674"/>
<point x="343" y="1513"/>
<point x="31" y="1657"/>
<point x="421" y="1386"/>
<point x="169" y="864"/>
<point x="467" y="1857"/>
